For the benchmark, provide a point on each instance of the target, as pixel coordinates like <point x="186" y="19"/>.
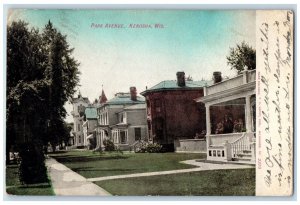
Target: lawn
<point x="14" y="186"/>
<point x="206" y="183"/>
<point x="89" y="164"/>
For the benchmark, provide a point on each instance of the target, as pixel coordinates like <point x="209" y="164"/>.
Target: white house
<point x="230" y="118"/>
<point x="79" y="105"/>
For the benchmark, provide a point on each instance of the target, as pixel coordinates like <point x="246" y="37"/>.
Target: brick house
<point x="172" y="112"/>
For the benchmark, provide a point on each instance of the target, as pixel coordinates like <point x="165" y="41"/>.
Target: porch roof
<point x="229" y="94"/>
<point x="230" y="89"/>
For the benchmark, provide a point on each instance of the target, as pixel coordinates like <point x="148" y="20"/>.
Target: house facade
<point x="79" y="105"/>
<point x="131" y="126"/>
<point x="109" y="114"/>
<point x="172" y="112"/>
<point x="230" y="118"/>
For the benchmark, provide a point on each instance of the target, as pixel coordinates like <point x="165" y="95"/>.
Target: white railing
<point x="241" y="144"/>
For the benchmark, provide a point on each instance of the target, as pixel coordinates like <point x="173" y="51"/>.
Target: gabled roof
<point x="80" y="98"/>
<point x="102" y="98"/>
<point x="172" y="85"/>
<point x="91" y="113"/>
<point x="75" y="100"/>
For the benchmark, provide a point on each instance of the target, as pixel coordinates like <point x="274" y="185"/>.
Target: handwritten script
<point x="275" y="104"/>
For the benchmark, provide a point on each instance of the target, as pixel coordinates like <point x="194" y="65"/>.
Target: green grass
<point x="89" y="164"/>
<point x="14" y="186"/>
<point x="239" y="182"/>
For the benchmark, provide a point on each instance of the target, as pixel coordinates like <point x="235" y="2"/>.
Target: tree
<point x="26" y="84"/>
<point x="62" y="72"/>
<point x="41" y="76"/>
<point x="240" y="56"/>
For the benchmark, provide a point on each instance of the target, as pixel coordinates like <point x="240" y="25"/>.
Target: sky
<point x="194" y="41"/>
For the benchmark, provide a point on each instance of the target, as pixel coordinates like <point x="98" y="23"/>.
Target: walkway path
<point x="65" y="182"/>
<point x="201" y="166"/>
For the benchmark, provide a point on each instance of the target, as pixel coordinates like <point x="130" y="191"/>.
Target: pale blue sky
<point x="193" y="41"/>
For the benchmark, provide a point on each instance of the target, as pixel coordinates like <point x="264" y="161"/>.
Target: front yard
<point x="14" y="186"/>
<point x="202" y="183"/>
<point x="89" y="164"/>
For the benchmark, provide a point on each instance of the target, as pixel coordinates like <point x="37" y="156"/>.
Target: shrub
<point x="32" y="168"/>
<point x="109" y="145"/>
<point x="148" y="147"/>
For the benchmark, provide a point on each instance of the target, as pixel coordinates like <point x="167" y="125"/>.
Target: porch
<point x="230" y="119"/>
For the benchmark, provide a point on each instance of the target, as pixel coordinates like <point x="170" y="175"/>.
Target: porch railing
<point x="241" y="144"/>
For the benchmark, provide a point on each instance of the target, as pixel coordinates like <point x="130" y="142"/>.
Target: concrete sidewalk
<point x="66" y="182"/>
<point x="201" y="166"/>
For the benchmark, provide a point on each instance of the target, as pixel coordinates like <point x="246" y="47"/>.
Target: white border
<point x="213" y="4"/>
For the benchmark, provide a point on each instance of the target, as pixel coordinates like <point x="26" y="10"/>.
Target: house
<point x="230" y="118"/>
<point x="172" y="113"/>
<point x="71" y="139"/>
<point x="90" y="127"/>
<point x="79" y="105"/>
<point x="110" y="111"/>
<point x="131" y="126"/>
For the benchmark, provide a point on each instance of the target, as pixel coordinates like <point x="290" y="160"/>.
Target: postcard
<point x="145" y="102"/>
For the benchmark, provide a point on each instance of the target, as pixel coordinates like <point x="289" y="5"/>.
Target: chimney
<point x="217" y="76"/>
<point x="133" y="93"/>
<point x="180" y="79"/>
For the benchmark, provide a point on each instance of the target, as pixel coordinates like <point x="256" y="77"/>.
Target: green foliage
<point x="41" y="76"/>
<point x="240" y="56"/>
<point x="32" y="167"/>
<point x="15" y="187"/>
<point x="109" y="145"/>
<point x="149" y="147"/>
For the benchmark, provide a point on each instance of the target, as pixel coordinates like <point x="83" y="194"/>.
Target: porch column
<point x="208" y="126"/>
<point x="248" y="114"/>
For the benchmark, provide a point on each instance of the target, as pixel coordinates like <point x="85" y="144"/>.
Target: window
<point x="157" y="105"/>
<point x="124" y="118"/>
<point x="78" y="127"/>
<point x="138" y="133"/>
<point x="79" y="139"/>
<point x="123" y="137"/>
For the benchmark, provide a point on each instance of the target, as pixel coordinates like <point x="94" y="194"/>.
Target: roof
<point x="84" y="99"/>
<point x="172" y="85"/>
<point x="91" y="113"/>
<point x="136" y="107"/>
<point x="102" y="98"/>
<point x="124" y="98"/>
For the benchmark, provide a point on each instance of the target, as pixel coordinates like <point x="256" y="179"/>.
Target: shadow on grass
<point x="80" y="159"/>
<point x="35" y="186"/>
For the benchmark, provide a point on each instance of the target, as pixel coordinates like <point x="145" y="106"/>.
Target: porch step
<point x="242" y="159"/>
<point x="242" y="155"/>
